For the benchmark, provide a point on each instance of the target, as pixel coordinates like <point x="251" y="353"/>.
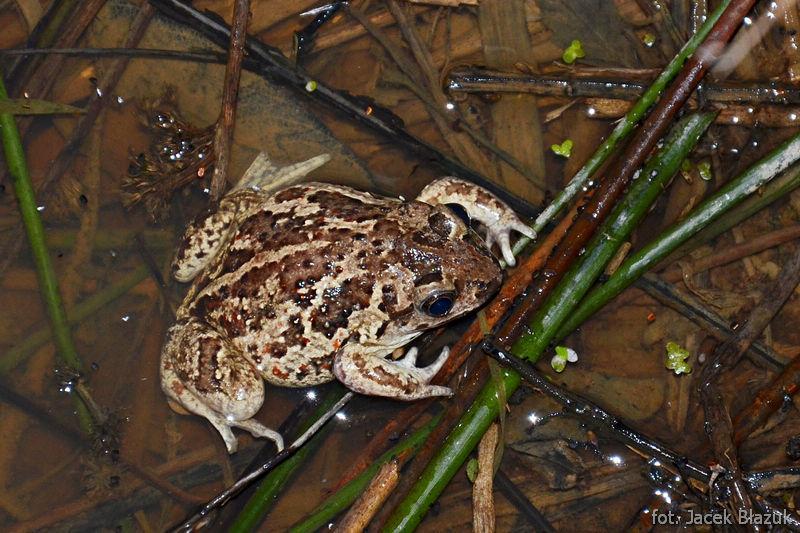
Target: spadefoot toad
<point x="321" y="281"/>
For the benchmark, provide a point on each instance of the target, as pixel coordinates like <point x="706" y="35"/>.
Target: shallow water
<point x="53" y="477"/>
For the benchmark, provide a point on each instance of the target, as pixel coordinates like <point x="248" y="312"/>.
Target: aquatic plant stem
<point x="624" y="127"/>
<point x="265" y="495"/>
<point x="626" y="216"/>
<point x="48" y="284"/>
<point x="223" y="497"/>
<point x="345" y="496"/>
<point x="78" y="314"/>
<point x="771" y="192"/>
<point x="725" y="198"/>
<point x="486" y="406"/>
<point x="617" y="176"/>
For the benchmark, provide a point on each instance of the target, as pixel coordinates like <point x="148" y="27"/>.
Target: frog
<point x="318" y="282"/>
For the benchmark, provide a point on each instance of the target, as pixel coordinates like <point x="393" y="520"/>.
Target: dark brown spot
<point x="425" y="279"/>
<point x="441" y="224"/>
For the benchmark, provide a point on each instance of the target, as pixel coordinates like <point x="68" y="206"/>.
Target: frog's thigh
<point x="219" y="383"/>
<point x="203" y="241"/>
<point x="480" y="205"/>
<point x="374" y="375"/>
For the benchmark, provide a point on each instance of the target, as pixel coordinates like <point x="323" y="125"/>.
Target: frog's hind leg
<point x="204" y="373"/>
<point x="203" y="241"/>
<point x="480" y="205"/>
<point x="264" y="177"/>
<point x="374" y="375"/>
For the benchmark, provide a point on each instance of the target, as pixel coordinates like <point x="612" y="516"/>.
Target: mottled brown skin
<point x="313" y="283"/>
<point x="359" y="246"/>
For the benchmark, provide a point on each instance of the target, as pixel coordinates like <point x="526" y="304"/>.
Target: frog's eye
<point x="438" y="304"/>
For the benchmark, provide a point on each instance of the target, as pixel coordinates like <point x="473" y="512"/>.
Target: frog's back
<point x="299" y="273"/>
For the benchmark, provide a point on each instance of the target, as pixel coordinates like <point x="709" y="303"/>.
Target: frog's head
<point x="453" y="271"/>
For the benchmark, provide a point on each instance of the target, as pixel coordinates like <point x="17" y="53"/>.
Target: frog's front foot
<point x="482" y="206"/>
<point x="376" y="376"/>
<point x="202" y="372"/>
<point x="500" y="232"/>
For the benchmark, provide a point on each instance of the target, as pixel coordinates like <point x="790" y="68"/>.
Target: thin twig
<point x="726" y="355"/>
<point x="587" y="410"/>
<point x="519" y="500"/>
<point x="571" y="85"/>
<point x="768" y="400"/>
<point x="223" y="497"/>
<point x="79" y="313"/>
<point x="208" y="56"/>
<point x="729" y="254"/>
<point x="691" y="308"/>
<point x="223" y="135"/>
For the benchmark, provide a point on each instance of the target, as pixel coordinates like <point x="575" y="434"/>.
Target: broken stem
<point x="223" y="135"/>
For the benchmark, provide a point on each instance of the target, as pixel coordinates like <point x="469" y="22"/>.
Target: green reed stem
<point x="626" y="215"/>
<point x="267" y="492"/>
<point x="48" y="284"/>
<point x="625" y="126"/>
<point x="721" y="201"/>
<point x="487" y="405"/>
<point x="345" y="496"/>
<point x="776" y="189"/>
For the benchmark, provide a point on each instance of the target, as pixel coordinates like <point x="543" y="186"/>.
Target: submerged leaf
<point x="28" y="106"/>
<point x="676" y="358"/>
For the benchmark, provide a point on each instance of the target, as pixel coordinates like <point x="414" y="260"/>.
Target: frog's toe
<point x="499" y="233"/>
<point x="410" y="358"/>
<point x="376" y="376"/>
<point x="257" y="429"/>
<point x="224" y="429"/>
<point x="427" y="373"/>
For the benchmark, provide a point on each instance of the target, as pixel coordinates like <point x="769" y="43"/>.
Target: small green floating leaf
<point x="572" y="52"/>
<point x="563" y="356"/>
<point x="28" y="106"/>
<point x="676" y="359"/>
<point x="472" y="470"/>
<point x="564" y="149"/>
<point x="649" y="39"/>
